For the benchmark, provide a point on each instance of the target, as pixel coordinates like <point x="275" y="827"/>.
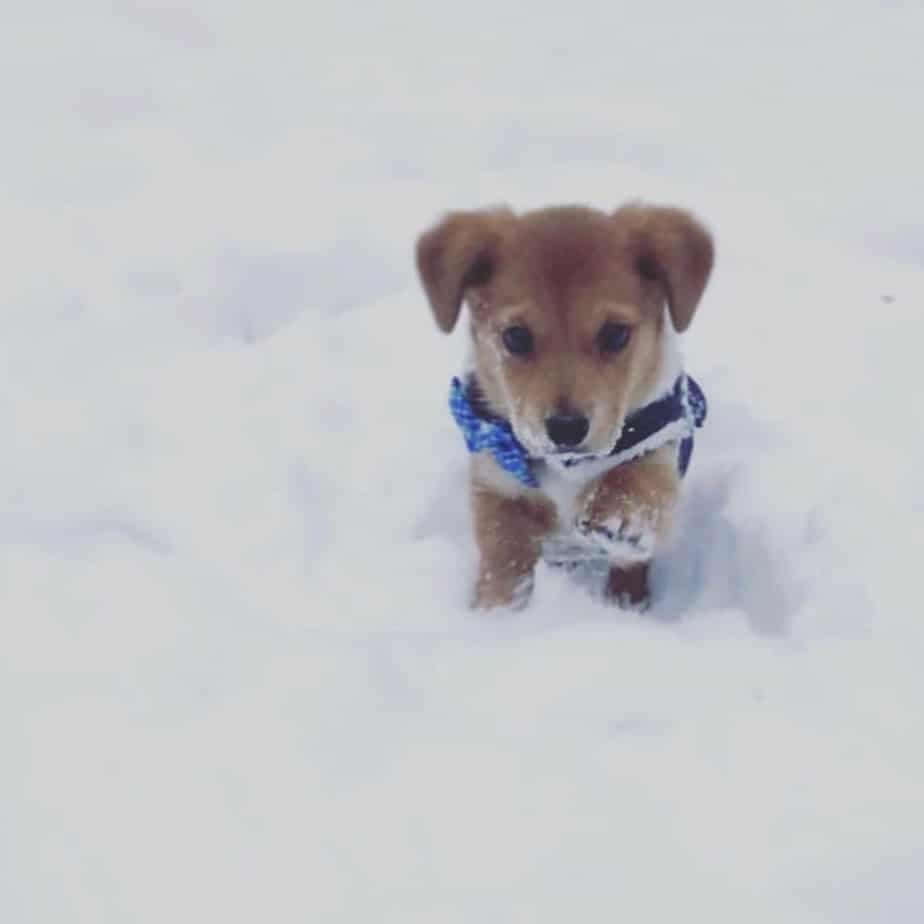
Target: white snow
<point x="238" y="680"/>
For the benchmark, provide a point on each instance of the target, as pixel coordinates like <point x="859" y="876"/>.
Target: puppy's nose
<point x="567" y="429"/>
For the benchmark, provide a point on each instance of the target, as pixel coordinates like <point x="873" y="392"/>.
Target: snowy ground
<point x="238" y="681"/>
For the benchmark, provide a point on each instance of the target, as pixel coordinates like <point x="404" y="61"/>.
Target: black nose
<point x="567" y="429"/>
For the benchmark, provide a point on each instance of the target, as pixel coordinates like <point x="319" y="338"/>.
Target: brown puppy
<point x="573" y="319"/>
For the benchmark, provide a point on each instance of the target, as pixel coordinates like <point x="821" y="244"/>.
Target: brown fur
<point x="563" y="273"/>
<point x="642" y="489"/>
<point x="628" y="585"/>
<point x="509" y="532"/>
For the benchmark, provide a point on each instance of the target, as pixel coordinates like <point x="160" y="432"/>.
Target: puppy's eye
<point x="518" y="340"/>
<point x="612" y="337"/>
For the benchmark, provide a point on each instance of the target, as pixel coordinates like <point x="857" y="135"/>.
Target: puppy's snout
<point x="567" y="430"/>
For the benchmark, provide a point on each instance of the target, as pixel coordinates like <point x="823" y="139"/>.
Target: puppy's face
<point x="567" y="311"/>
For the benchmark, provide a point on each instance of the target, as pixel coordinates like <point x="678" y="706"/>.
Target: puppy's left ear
<point x="456" y="255"/>
<point x="674" y="248"/>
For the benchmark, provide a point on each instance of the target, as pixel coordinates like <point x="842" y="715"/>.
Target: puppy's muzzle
<point x="567" y="430"/>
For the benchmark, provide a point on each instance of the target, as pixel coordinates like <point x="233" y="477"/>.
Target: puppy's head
<point x="567" y="310"/>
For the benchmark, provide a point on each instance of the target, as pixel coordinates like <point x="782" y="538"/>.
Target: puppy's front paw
<point x="494" y="592"/>
<point x="629" y="541"/>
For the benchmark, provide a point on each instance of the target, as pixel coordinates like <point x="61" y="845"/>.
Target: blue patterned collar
<point x="670" y="419"/>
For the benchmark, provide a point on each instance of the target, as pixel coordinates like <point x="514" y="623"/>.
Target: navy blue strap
<point x="644" y="423"/>
<point x="672" y="418"/>
<point x="685" y="402"/>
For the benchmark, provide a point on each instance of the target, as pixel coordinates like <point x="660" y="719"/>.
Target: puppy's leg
<point x="627" y="512"/>
<point x="509" y="532"/>
<point x="627" y="585"/>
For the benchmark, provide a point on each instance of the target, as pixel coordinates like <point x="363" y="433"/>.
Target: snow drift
<point x="238" y="677"/>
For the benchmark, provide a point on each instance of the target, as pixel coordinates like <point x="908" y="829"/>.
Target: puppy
<point x="575" y="406"/>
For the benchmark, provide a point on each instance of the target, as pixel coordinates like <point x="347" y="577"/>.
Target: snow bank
<point x="238" y="677"/>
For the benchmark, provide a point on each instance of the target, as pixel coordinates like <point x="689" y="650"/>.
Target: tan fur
<point x="509" y="533"/>
<point x="643" y="490"/>
<point x="563" y="273"/>
<point x="628" y="585"/>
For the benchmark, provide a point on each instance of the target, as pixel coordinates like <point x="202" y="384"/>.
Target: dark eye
<point x="612" y="337"/>
<point x="518" y="340"/>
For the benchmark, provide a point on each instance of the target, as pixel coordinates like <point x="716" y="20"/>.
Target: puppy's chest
<point x="573" y="539"/>
<point x="569" y="495"/>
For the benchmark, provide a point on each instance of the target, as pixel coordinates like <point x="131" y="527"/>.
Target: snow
<point x="238" y="679"/>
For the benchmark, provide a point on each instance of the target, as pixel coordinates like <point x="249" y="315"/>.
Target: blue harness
<point x="671" y="419"/>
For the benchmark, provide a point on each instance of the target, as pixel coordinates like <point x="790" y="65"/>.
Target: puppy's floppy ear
<point x="674" y="248"/>
<point x="458" y="253"/>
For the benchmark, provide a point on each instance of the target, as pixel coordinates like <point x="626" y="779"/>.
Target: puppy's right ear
<point x="457" y="254"/>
